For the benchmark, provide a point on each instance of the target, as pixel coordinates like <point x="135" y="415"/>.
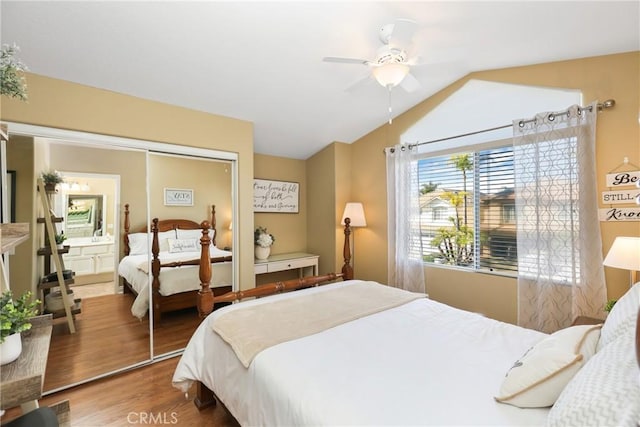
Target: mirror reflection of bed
<point x="99" y="177"/>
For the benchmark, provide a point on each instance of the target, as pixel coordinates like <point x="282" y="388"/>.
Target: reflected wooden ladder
<point x="49" y="216"/>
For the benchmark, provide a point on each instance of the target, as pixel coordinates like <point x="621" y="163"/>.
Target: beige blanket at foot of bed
<point x="252" y="329"/>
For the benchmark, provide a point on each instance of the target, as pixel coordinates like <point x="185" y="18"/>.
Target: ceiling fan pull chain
<point x="390" y="111"/>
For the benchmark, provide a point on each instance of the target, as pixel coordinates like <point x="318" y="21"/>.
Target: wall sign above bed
<point x="178" y="197"/>
<point x="275" y="196"/>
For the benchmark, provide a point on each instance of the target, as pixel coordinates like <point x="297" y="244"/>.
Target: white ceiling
<point x="262" y="61"/>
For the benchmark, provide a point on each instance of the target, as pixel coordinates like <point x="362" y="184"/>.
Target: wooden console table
<point x="21" y="380"/>
<point x="288" y="261"/>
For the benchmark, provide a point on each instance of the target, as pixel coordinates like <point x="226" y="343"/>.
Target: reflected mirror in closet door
<point x="184" y="191"/>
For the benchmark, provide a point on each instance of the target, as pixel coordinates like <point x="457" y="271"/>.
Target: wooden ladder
<point x="57" y="258"/>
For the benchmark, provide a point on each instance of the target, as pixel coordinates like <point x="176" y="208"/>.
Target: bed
<point x="415" y="363"/>
<point x="175" y="250"/>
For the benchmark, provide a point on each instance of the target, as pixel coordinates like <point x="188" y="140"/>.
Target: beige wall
<point x="211" y="185"/>
<point x="129" y="165"/>
<point x="22" y="263"/>
<point x="618" y="135"/>
<point x="321" y="175"/>
<point x="61" y="104"/>
<point x="289" y="229"/>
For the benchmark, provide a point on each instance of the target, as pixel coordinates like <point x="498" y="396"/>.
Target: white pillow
<point x="193" y="234"/>
<point x="622" y="316"/>
<point x="183" y="245"/>
<point x="140" y="243"/>
<point x="606" y="391"/>
<point x="538" y="378"/>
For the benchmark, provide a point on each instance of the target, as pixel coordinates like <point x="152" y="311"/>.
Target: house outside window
<point x="470" y="196"/>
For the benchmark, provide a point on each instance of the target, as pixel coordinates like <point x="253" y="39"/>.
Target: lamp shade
<point x="624" y="253"/>
<point x="355" y="212"/>
<point x="390" y="74"/>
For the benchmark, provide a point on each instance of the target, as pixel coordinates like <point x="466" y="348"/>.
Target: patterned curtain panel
<point x="560" y="272"/>
<point x="406" y="269"/>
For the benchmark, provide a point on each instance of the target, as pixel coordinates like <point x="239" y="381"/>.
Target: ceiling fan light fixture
<point x="390" y="74"/>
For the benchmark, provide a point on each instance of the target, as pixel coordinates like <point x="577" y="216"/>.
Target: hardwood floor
<point x="143" y="396"/>
<point x="108" y="337"/>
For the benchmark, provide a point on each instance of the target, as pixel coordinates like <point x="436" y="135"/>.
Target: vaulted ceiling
<point x="262" y="61"/>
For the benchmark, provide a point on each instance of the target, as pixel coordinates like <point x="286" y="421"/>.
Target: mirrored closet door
<point x="184" y="191"/>
<point x="113" y="187"/>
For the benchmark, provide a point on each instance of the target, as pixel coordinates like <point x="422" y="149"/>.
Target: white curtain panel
<point x="405" y="266"/>
<point x="560" y="271"/>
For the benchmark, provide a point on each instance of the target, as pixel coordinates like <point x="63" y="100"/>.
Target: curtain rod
<point x="609" y="103"/>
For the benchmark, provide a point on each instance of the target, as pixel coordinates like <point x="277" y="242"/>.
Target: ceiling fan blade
<point x="346" y="60"/>
<point x="360" y="83"/>
<point x="402" y="34"/>
<point x="410" y="83"/>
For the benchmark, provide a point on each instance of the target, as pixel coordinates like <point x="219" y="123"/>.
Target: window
<point x="508" y="214"/>
<point x="471" y="199"/>
<point x="439" y="213"/>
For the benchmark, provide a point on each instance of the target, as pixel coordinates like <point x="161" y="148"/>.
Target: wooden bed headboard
<point x="166" y="225"/>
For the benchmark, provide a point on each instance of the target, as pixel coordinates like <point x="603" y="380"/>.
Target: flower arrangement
<point x="262" y="238"/>
<point x="51" y="177"/>
<point x="12" y="83"/>
<point x="15" y="314"/>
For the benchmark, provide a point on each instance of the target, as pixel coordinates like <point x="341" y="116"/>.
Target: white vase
<point x="262" y="253"/>
<point x="10" y="349"/>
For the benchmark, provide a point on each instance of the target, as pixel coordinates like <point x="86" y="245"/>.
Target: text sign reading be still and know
<point x="617" y="181"/>
<point x="275" y="196"/>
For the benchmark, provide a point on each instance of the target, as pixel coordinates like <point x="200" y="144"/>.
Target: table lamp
<point x="624" y="254"/>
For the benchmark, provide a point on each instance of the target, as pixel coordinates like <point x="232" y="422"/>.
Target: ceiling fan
<point x="391" y="66"/>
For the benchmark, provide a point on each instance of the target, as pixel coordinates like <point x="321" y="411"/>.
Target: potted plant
<point x="15" y="315"/>
<point x="60" y="238"/>
<point x="609" y="305"/>
<point x="51" y="179"/>
<point x="263" y="241"/>
<point x="12" y="82"/>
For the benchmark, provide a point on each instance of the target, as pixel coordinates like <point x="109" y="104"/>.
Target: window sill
<point x="512" y="275"/>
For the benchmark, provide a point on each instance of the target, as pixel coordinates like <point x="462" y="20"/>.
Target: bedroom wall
<point x="599" y="78"/>
<point x="197" y="175"/>
<point x="129" y="165"/>
<point x="22" y="263"/>
<point x="61" y="104"/>
<point x="289" y="229"/>
<point x="321" y="175"/>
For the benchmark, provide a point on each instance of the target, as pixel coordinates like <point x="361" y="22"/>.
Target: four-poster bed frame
<point x="191" y="368"/>
<point x="162" y="304"/>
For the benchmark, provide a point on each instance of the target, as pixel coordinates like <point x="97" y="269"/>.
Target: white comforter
<point x="134" y="269"/>
<point x="423" y="363"/>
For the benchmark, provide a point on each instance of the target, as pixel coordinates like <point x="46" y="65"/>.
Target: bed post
<point x="213" y="224"/>
<point x="347" y="270"/>
<point x="204" y="397"/>
<point x="127" y="225"/>
<point x="155" y="272"/>
<point x="205" y="296"/>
